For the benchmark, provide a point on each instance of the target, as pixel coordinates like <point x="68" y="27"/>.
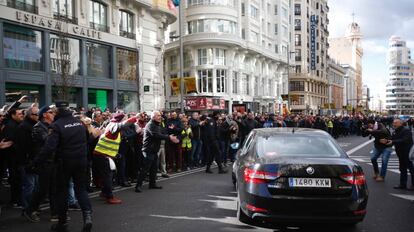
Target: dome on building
<point x="353" y="30"/>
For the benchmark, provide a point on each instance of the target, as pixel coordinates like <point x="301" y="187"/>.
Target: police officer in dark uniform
<point x="67" y="139"/>
<point x="212" y="147"/>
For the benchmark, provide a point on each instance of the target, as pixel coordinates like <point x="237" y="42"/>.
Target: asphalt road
<point x="207" y="202"/>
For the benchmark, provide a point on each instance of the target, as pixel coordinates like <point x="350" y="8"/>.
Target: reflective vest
<point x="186" y="142"/>
<point x="330" y="124"/>
<point x="107" y="146"/>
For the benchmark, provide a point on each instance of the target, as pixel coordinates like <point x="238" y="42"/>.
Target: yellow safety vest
<point x="186" y="142"/>
<point x="107" y="146"/>
<point x="330" y="124"/>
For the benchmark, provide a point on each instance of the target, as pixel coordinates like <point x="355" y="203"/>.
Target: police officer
<point x="212" y="147"/>
<point x="68" y="140"/>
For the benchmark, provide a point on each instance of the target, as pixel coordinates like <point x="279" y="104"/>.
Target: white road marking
<point x="353" y="150"/>
<point x="404" y="196"/>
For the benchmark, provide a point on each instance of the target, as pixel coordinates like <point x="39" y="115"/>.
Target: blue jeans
<point x="71" y="197"/>
<point x="385" y="156"/>
<point x="195" y="152"/>
<point x="29" y="184"/>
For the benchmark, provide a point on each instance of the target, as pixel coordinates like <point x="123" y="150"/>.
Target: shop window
<point x="98" y="60"/>
<point x="22" y="48"/>
<point x="64" y="55"/>
<point x="127" y="64"/>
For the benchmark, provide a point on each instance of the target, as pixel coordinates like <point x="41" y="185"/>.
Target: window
<point x="22" y="48"/>
<point x="98" y="60"/>
<point x="173" y="63"/>
<point x="297" y="9"/>
<point x="243" y="9"/>
<point x="205" y="80"/>
<point x="276" y="48"/>
<point x="256" y="86"/>
<point x="254" y="37"/>
<point x="64" y="55"/>
<point x="285" y="31"/>
<point x="297" y="25"/>
<point x="298" y="69"/>
<point x="221" y="78"/>
<point x="245" y="84"/>
<point x="212" y="25"/>
<point x="127" y="64"/>
<point x="187" y="60"/>
<point x="298" y="40"/>
<point x="205" y="56"/>
<point x="285" y="13"/>
<point x="254" y="12"/>
<point x="97" y="16"/>
<point x="276" y="11"/>
<point x="297" y="86"/>
<point x="126" y="24"/>
<point x="24" y="5"/>
<point x="276" y="28"/>
<point x="64" y="10"/>
<point x="128" y="101"/>
<point x="211" y="2"/>
<point x="220" y="57"/>
<point x="235" y="82"/>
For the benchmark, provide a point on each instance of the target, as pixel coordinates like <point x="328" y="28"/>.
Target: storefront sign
<point x="313" y="24"/>
<point x="205" y="103"/>
<point x="240" y="108"/>
<point x="40" y="21"/>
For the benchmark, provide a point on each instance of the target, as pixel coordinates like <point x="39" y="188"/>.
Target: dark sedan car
<point x="287" y="176"/>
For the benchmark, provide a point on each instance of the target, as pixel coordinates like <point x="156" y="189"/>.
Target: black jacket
<point x="67" y="139"/>
<point x="210" y="131"/>
<point x="39" y="135"/>
<point x="9" y="133"/>
<point x="402" y="140"/>
<point x="249" y="125"/>
<point x="195" y="128"/>
<point x="153" y="134"/>
<point x="380" y="133"/>
<point x="25" y="142"/>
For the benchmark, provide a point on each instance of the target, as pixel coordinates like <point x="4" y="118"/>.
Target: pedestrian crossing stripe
<point x="404" y="196"/>
<point x="393" y="163"/>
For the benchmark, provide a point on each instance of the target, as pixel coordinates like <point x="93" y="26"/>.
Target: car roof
<point x="289" y="130"/>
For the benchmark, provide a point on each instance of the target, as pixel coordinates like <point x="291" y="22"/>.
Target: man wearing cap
<point x="67" y="139"/>
<point x="46" y="172"/>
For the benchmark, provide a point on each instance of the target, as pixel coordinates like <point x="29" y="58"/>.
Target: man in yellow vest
<point x="106" y="150"/>
<point x="186" y="146"/>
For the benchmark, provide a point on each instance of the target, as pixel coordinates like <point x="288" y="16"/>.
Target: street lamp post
<point x="181" y="57"/>
<point x="288" y="74"/>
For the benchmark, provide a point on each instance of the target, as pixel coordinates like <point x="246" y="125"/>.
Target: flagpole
<point x="180" y="32"/>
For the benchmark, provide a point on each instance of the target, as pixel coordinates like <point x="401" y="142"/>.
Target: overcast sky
<point x="379" y="20"/>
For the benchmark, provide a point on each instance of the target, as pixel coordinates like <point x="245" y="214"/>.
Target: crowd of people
<point x="44" y="150"/>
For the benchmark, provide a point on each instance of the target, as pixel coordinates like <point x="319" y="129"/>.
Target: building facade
<point x="400" y="86"/>
<point x="350" y="90"/>
<point x="235" y="54"/>
<point x="348" y="50"/>
<point x="106" y="53"/>
<point x="308" y="77"/>
<point x="336" y="75"/>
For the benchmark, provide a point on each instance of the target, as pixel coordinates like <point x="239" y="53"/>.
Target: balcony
<point x="23" y="6"/>
<point x="127" y="34"/>
<point x="99" y="27"/>
<point x="65" y="18"/>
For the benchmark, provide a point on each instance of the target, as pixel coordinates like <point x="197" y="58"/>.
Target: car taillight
<point x="354" y="178"/>
<point x="256" y="209"/>
<point x="258" y="177"/>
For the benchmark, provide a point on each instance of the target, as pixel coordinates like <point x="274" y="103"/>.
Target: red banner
<point x="205" y="103"/>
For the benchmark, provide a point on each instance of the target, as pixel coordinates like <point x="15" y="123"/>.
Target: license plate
<point x="310" y="182"/>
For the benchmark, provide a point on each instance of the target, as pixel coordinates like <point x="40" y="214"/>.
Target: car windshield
<point x="296" y="145"/>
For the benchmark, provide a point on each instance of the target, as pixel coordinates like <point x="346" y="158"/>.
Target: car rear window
<point x="296" y="145"/>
